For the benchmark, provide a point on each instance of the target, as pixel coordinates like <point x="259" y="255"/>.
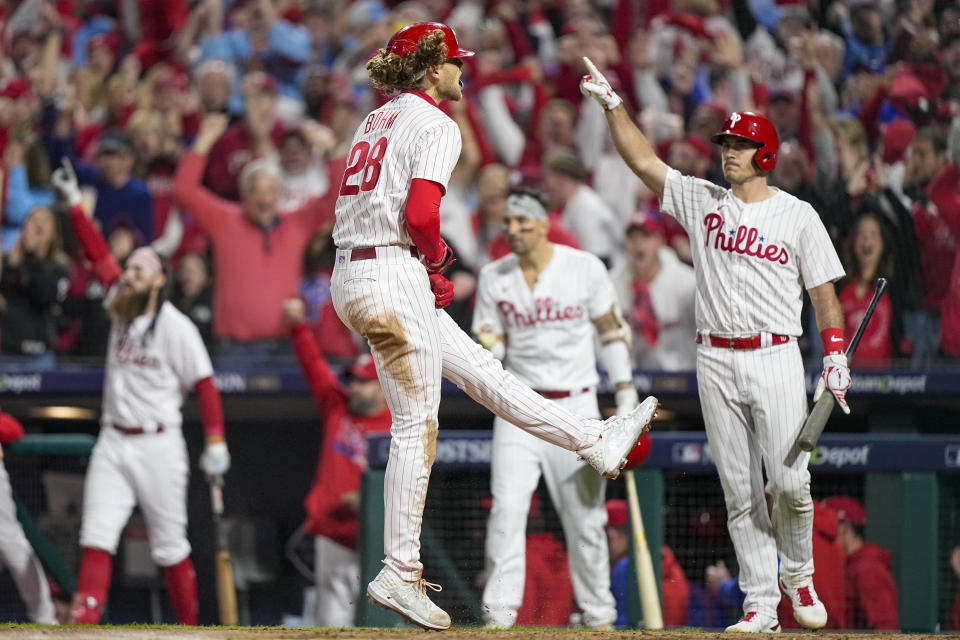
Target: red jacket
<point x="547" y="591"/>
<point x="256" y="269"/>
<point x="943" y="194"/>
<point x="828" y="562"/>
<point x="676" y="590"/>
<point x="871" y="593"/>
<point x="343" y="455"/>
<point x="876" y="347"/>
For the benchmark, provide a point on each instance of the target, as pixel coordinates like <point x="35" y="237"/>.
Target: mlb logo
<point x="340" y="259"/>
<point x="690" y="453"/>
<point x="951" y="455"/>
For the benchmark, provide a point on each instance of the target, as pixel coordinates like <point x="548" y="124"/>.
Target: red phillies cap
<point x="616" y="513"/>
<point x="645" y="222"/>
<point x="848" y="509"/>
<point x="364" y="368"/>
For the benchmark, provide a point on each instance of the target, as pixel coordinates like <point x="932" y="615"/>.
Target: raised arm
<point x="188" y="190"/>
<point x="323" y="383"/>
<point x="95" y="249"/>
<point x="632" y="145"/>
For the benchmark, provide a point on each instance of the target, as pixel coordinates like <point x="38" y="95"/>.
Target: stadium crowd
<point x="217" y="132"/>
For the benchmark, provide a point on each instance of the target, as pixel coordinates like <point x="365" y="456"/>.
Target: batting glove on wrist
<point x="836" y="377"/>
<point x="215" y="460"/>
<point x="64" y="179"/>
<point x="596" y="86"/>
<point x="442" y="290"/>
<point x="627" y="400"/>
<point x="440" y="264"/>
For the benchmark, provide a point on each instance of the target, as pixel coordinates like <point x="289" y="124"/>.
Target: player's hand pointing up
<point x="596" y="86"/>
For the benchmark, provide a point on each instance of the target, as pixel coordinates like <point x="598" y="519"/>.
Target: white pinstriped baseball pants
<point x="754" y="403"/>
<point x="21" y="560"/>
<point x="578" y="493"/>
<point x="388" y="301"/>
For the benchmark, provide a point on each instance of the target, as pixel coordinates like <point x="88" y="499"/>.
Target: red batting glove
<point x="442" y="290"/>
<point x="440" y="264"/>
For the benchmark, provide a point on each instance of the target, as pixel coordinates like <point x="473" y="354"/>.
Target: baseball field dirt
<point x="281" y="633"/>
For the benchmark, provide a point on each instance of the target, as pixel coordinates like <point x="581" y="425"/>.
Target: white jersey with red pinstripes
<point x="752" y="260"/>
<point x="408" y="137"/>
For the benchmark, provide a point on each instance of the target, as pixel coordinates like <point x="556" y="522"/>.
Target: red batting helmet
<point x="754" y="127"/>
<point x="406" y="39"/>
<point x="639" y="452"/>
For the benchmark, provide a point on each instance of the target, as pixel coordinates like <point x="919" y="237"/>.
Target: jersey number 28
<point x="366" y="159"/>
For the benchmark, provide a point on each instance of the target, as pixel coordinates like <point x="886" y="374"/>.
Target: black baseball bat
<point x="814" y="424"/>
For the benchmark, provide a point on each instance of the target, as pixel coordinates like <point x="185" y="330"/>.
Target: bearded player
<point x="388" y="286"/>
<point x="540" y="309"/>
<point x="755" y="248"/>
<point x="154" y="356"/>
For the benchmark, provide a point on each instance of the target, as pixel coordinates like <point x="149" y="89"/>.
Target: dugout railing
<point x="909" y="485"/>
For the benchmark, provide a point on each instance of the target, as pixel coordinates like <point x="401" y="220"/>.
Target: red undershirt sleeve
<point x="211" y="409"/>
<point x="105" y="267"/>
<point x="422" y="214"/>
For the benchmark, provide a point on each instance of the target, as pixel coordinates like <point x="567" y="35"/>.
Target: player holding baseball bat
<point x="154" y="355"/>
<point x="755" y="249"/>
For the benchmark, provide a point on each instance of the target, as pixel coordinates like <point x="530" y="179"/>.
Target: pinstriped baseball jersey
<point x="751" y="260"/>
<point x="549" y="329"/>
<point x="408" y="137"/>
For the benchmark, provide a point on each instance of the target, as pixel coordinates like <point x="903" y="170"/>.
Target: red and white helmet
<point x="406" y="39"/>
<point x="756" y="128"/>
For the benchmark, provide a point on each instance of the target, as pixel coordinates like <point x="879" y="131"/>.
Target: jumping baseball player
<point x="388" y="286"/>
<point x="155" y="355"/>
<point x="16" y="554"/>
<point x="754" y="250"/>
<point x="541" y="308"/>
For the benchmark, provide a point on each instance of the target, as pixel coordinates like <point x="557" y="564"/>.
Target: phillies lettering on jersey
<point x="550" y="332"/>
<point x="545" y="310"/>
<point x="752" y="261"/>
<point x="741" y="240"/>
<point x="408" y="137"/>
<point x="161" y="367"/>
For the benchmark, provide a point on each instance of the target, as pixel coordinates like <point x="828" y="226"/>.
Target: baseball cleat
<point x="808" y="610"/>
<point x="608" y="454"/>
<point x="753" y="622"/>
<point x="409" y="599"/>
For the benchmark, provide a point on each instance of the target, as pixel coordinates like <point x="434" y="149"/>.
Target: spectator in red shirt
<point x="943" y="191"/>
<point x="870" y="591"/>
<point x="256" y="136"/>
<point x="548" y="591"/>
<point x="938" y="245"/>
<point x="828" y="579"/>
<point x="258" y="253"/>
<point x="869" y="256"/>
<point x="334" y="500"/>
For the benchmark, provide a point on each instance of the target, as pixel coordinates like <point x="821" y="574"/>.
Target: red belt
<point x="553" y="395"/>
<point x="136" y="431"/>
<point x="369" y="253"/>
<point x="748" y="342"/>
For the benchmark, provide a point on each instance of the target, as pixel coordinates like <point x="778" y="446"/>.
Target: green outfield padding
<point x="77" y="445"/>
